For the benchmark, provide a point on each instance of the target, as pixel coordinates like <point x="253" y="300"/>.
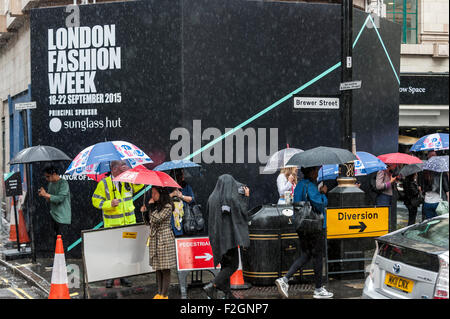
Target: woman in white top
<point x="286" y="182"/>
<point x="436" y="190"/>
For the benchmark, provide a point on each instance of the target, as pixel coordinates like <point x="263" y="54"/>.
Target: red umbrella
<point x="399" y="158"/>
<point x="97" y="177"/>
<point x="141" y="175"/>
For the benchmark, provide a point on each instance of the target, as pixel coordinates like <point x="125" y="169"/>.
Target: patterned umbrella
<point x="431" y="142"/>
<point x="437" y="164"/>
<point x="95" y="159"/>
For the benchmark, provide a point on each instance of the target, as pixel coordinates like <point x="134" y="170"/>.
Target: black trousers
<point x="229" y="264"/>
<point x="60" y="229"/>
<point x="412" y="213"/>
<point x="311" y="248"/>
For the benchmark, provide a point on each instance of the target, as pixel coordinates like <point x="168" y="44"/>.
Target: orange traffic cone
<point x="237" y="279"/>
<point x="59" y="288"/>
<point x="23" y="234"/>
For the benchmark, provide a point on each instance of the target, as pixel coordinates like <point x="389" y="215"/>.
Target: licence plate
<point x="399" y="282"/>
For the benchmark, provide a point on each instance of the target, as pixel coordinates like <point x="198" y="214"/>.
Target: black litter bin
<point x="274" y="245"/>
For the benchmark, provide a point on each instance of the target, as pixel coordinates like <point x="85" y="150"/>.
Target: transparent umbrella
<point x="279" y="160"/>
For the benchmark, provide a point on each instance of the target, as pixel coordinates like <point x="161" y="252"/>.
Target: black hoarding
<point x="172" y="76"/>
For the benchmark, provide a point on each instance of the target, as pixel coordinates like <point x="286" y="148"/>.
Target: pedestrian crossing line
<point x="24" y="293"/>
<point x="5" y="280"/>
<point x="24" y="265"/>
<point x="73" y="294"/>
<point x="16" y="293"/>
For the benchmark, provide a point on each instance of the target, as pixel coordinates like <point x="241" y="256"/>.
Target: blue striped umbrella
<point x="366" y="164"/>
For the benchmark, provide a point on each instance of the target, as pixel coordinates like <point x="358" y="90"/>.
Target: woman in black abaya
<point x="227" y="229"/>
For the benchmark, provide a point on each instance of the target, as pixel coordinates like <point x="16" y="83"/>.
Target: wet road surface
<point x="14" y="287"/>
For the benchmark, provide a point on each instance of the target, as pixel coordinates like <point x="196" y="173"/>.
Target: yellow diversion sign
<point x="357" y="222"/>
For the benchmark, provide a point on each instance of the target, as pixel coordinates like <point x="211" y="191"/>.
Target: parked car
<point x="411" y="263"/>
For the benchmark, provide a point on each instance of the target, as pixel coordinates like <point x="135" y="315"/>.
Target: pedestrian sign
<point x="357" y="222"/>
<point x="13" y="184"/>
<point x="194" y="253"/>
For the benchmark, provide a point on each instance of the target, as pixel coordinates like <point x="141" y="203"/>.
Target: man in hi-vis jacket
<point x="115" y="199"/>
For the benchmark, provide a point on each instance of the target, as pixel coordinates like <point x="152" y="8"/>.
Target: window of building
<point x="405" y="13"/>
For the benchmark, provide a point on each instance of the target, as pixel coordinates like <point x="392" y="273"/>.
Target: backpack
<point x="176" y="219"/>
<point x="193" y="222"/>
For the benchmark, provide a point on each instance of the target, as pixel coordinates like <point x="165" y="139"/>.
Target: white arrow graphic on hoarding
<point x="206" y="257"/>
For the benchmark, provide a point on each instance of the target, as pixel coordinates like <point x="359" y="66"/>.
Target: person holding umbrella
<point x="58" y="196"/>
<point x="286" y="181"/>
<point x="385" y="183"/>
<point x="311" y="245"/>
<point x="435" y="175"/>
<point x="186" y="194"/>
<point x="413" y="196"/>
<point x="161" y="241"/>
<point x="115" y="199"/>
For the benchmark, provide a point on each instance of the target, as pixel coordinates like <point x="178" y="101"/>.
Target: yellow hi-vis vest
<point x="123" y="214"/>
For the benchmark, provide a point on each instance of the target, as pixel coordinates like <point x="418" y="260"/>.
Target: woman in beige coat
<point x="161" y="240"/>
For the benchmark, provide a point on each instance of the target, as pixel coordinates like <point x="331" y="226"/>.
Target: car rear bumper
<point x="369" y="291"/>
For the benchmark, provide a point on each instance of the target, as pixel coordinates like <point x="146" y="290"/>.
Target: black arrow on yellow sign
<point x="361" y="227"/>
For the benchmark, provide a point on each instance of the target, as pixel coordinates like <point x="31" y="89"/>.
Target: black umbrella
<point x="29" y="155"/>
<point x="40" y="153"/>
<point x="411" y="169"/>
<point x="322" y="155"/>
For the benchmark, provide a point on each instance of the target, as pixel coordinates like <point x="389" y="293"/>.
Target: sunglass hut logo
<point x="80" y="119"/>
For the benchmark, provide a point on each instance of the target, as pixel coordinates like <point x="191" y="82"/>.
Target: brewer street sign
<point x="357" y="222"/>
<point x="313" y="103"/>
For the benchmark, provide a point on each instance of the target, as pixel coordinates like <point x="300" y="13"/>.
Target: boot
<point x="210" y="290"/>
<point x="109" y="283"/>
<point x="125" y="282"/>
<point x="229" y="295"/>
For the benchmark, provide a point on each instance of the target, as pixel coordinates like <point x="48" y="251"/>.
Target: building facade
<point x="424" y="105"/>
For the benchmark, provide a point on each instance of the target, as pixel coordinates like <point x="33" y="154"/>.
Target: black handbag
<point x="418" y="200"/>
<point x="306" y="219"/>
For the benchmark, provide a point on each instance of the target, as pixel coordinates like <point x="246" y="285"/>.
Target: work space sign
<point x="357" y="222"/>
<point x="194" y="253"/>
